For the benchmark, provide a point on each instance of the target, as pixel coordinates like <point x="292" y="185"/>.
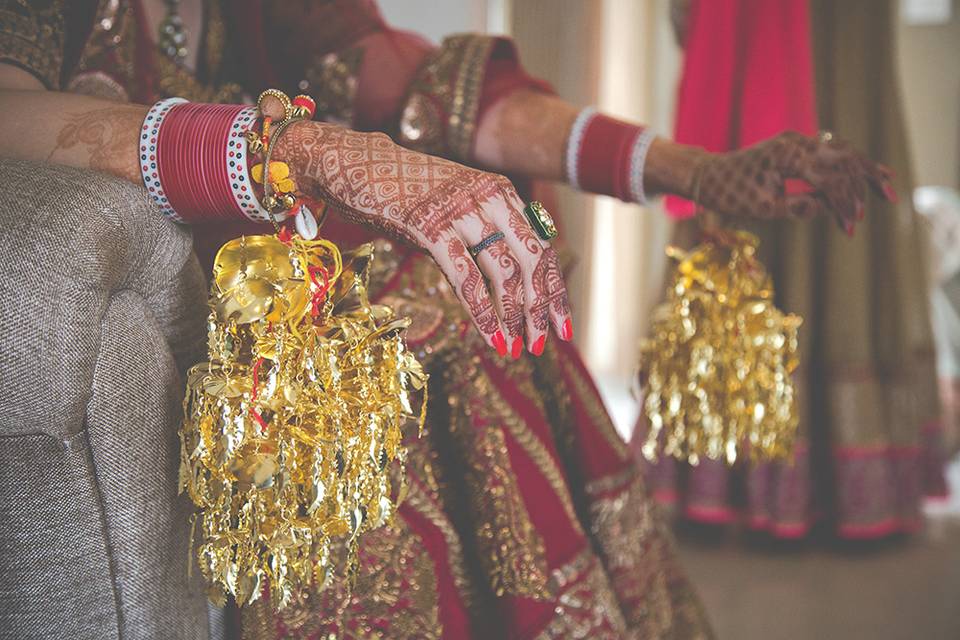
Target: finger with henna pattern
<point x="467" y="281"/>
<point x="880" y="179"/>
<point x="503" y="274"/>
<point x="555" y="300"/>
<point x="543" y="284"/>
<point x="801" y="205"/>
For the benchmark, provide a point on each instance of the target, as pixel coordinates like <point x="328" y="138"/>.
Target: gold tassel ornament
<point x="717" y="368"/>
<point x="292" y="426"/>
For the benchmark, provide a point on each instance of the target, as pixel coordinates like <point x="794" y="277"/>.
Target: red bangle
<point x="606" y="156"/>
<point x="194" y="161"/>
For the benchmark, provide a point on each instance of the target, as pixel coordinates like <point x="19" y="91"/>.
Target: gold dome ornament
<point x="291" y="441"/>
<point x="716" y="371"/>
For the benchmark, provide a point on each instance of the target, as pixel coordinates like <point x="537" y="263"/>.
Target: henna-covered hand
<point x="833" y="178"/>
<point x="514" y="290"/>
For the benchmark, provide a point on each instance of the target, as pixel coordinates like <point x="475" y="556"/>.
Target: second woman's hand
<point x="762" y="181"/>
<point x="513" y="289"/>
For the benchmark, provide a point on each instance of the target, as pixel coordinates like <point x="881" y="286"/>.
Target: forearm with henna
<point x="106" y="139"/>
<point x="72" y="130"/>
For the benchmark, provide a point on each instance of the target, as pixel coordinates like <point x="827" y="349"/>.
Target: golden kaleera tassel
<point x="290" y="428"/>
<point x="717" y="369"/>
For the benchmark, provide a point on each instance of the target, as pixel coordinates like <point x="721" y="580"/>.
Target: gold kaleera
<point x="717" y="368"/>
<point x="290" y="428"/>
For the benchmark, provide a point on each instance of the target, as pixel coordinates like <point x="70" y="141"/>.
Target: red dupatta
<point x="747" y="75"/>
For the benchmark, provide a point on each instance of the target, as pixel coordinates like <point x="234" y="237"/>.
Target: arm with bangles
<point x="471" y="100"/>
<point x="531" y="132"/>
<point x="514" y="293"/>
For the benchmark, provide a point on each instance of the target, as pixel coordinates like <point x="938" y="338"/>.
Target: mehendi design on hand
<point x="375" y="181"/>
<point x="435" y="204"/>
<point x="471" y="287"/>
<point x="751" y="181"/>
<point x="511" y="299"/>
<point x="549" y="290"/>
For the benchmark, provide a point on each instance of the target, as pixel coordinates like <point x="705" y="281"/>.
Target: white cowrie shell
<point x="306" y="223"/>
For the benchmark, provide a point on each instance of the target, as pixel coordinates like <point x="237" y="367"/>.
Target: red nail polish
<point x="567" y="332"/>
<point x="499" y="343"/>
<point x="516" y="348"/>
<point x="848" y="227"/>
<point x="537" y="348"/>
<point x="891" y="195"/>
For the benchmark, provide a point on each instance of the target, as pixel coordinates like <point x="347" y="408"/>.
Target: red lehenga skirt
<point x="526" y="515"/>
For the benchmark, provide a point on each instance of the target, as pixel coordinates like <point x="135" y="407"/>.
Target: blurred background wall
<point x="929" y="56"/>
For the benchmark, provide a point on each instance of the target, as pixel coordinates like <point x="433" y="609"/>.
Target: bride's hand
<point x="513" y="290"/>
<point x="830" y="176"/>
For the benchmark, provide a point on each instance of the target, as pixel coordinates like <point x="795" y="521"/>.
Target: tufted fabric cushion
<point x="102" y="307"/>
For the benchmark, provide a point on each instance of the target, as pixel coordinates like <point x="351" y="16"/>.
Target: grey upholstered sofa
<point x="103" y="307"/>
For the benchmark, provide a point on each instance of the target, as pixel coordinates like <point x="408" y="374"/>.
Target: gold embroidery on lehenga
<point x="586" y="607"/>
<point x="635" y="547"/>
<point x="425" y="506"/>
<point x="521" y="375"/>
<point x="625" y="527"/>
<point x="610" y="483"/>
<point x="256" y="621"/>
<point x="533" y="446"/>
<point x="449" y="82"/>
<point x="511" y="549"/>
<point x="595" y="409"/>
<point x="32" y="36"/>
<point x="333" y="79"/>
<point x="395" y="595"/>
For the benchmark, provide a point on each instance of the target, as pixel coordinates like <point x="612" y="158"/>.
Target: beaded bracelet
<point x="280" y="196"/>
<point x="607" y="156"/>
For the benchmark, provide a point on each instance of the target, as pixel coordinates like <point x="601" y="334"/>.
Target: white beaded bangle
<point x="236" y="158"/>
<point x="148" y="155"/>
<point x="638" y="159"/>
<point x="574" y="140"/>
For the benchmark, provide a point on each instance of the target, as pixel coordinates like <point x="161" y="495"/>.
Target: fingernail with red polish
<point x="567" y="332"/>
<point x="537" y="348"/>
<point x="499" y="343"/>
<point x="890" y="194"/>
<point x="848" y="227"/>
<point x="517" y="347"/>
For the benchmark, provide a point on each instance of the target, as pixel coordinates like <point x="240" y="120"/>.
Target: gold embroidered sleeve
<point x="32" y="37"/>
<point x="441" y="111"/>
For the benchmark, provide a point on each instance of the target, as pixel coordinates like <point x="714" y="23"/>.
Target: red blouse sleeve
<point x="366" y="75"/>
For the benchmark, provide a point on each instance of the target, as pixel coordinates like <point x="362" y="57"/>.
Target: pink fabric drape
<point x="747" y="75"/>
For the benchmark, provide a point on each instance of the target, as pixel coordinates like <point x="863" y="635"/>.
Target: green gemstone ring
<point x="540" y="220"/>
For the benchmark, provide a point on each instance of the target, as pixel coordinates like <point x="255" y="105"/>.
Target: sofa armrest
<point x="102" y="307"/>
<point x="72" y="239"/>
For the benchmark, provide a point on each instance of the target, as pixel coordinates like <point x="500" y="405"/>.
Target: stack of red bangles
<point x="607" y="156"/>
<point x="195" y="160"/>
